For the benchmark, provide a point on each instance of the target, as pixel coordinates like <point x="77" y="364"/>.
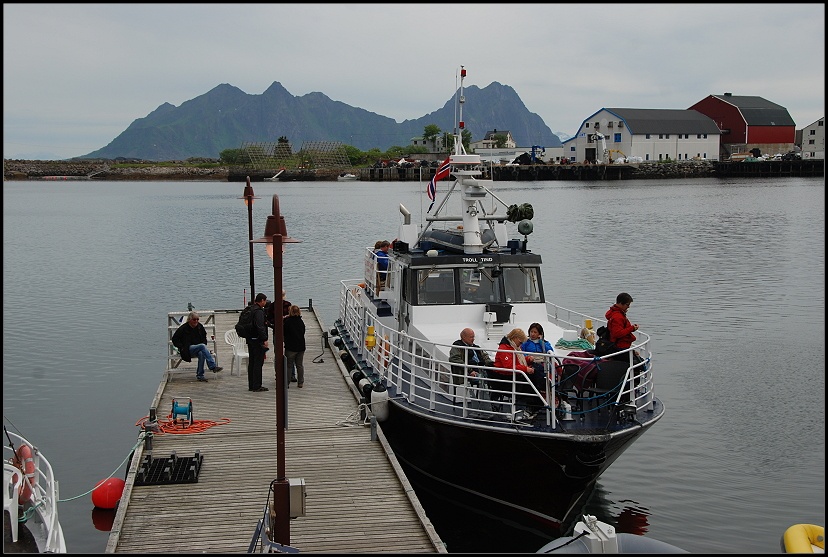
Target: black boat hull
<point x="542" y="477"/>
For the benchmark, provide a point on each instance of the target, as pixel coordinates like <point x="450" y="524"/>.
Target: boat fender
<point x="379" y="402"/>
<point x="24" y="461"/>
<point x="803" y="538"/>
<point x="357" y="376"/>
<point x="107" y="493"/>
<point x="347" y="359"/>
<point x="365" y="387"/>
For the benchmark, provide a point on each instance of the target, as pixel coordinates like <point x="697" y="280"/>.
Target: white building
<point x="434" y="145"/>
<point x="489" y="142"/>
<point x="652" y="134"/>
<point x="813" y="140"/>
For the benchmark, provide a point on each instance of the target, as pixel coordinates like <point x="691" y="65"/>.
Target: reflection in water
<point x="103" y="519"/>
<point x="627" y="516"/>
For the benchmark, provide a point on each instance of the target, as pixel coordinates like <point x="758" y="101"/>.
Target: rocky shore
<point x="39" y="170"/>
<point x="180" y="171"/>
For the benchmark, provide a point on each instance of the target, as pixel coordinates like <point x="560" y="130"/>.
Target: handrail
<point x="422" y="373"/>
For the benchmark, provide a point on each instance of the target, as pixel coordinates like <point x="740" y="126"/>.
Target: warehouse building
<point x="645" y="133"/>
<point x="749" y="123"/>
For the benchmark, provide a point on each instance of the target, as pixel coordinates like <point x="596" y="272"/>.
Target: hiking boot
<point x="217" y="369"/>
<point x="293" y="380"/>
<point x="260" y="390"/>
<point x="203" y="379"/>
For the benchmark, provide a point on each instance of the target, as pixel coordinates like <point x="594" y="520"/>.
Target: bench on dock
<point x="174" y="320"/>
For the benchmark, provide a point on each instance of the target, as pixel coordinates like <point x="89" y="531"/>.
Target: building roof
<point x="758" y="111"/>
<point x="491" y="134"/>
<point x="663" y="120"/>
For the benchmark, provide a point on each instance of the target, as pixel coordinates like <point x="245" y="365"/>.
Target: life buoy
<point x="24" y="460"/>
<point x="802" y="538"/>
<point x="384" y="352"/>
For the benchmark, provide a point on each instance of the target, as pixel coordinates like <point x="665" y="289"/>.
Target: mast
<point x="464" y="167"/>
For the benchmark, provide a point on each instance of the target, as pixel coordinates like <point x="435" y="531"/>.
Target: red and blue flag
<point x="442" y="172"/>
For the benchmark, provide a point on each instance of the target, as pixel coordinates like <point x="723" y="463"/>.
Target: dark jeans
<point x="254" y="364"/>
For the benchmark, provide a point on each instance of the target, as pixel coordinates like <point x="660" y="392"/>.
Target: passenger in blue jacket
<point x="536" y="343"/>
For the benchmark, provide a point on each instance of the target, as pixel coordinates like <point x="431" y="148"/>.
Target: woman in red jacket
<point x="508" y="360"/>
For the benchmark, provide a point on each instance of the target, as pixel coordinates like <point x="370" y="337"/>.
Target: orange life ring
<point x="24" y="460"/>
<point x="384" y="352"/>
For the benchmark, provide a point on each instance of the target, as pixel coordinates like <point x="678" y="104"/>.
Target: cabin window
<point x="618" y="138"/>
<point x="522" y="284"/>
<point x="435" y="286"/>
<point x="478" y="286"/>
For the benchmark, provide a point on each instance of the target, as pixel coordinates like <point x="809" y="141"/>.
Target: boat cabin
<point x="434" y="295"/>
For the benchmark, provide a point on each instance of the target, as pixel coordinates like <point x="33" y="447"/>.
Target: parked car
<point x="792" y="156"/>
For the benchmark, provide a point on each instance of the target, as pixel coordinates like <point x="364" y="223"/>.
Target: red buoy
<point x="107" y="493"/>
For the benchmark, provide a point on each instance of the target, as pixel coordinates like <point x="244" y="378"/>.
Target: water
<point x="727" y="276"/>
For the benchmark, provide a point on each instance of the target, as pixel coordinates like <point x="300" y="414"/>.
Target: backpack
<point x="603" y="345"/>
<point x="244" y="328"/>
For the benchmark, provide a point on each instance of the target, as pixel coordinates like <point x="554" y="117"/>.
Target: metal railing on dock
<point x="357" y="500"/>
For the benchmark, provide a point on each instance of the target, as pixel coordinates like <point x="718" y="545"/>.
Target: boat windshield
<point x="435" y="286"/>
<point x="477" y="286"/>
<point x="521" y="284"/>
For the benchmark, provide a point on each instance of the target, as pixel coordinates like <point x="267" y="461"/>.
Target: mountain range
<point x="226" y="116"/>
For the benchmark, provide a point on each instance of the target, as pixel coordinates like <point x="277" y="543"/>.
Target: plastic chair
<point x="239" y="345"/>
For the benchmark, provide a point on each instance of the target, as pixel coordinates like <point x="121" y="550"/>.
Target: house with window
<point x="747" y="123"/>
<point x="434" y="146"/>
<point x="813" y="140"/>
<point x="653" y="134"/>
<point x="489" y="142"/>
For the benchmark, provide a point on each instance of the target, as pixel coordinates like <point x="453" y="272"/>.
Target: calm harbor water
<point x="727" y="276"/>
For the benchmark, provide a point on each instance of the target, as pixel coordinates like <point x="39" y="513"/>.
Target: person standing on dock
<point x="294" y="333"/>
<point x="256" y="346"/>
<point x="191" y="340"/>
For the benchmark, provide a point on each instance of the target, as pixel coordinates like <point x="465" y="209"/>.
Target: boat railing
<point x="372" y="272"/>
<point x="423" y="374"/>
<point x="44" y="491"/>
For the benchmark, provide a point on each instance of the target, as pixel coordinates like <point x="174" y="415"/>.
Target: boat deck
<point x="357" y="500"/>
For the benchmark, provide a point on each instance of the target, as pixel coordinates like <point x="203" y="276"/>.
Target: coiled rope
<point x="172" y="426"/>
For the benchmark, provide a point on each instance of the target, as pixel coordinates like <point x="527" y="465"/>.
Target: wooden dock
<point x="358" y="500"/>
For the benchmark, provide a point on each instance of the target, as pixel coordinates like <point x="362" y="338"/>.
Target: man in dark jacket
<point x="191" y="340"/>
<point x="256" y="346"/>
<point x="460" y="355"/>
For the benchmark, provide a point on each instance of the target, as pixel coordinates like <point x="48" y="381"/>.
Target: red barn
<point x="749" y="122"/>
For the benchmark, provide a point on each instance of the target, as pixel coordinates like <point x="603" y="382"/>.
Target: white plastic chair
<point x="239" y="345"/>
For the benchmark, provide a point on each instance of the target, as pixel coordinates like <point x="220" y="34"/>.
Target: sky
<point x="76" y="75"/>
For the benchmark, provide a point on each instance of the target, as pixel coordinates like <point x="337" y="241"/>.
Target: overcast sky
<point x="76" y="75"/>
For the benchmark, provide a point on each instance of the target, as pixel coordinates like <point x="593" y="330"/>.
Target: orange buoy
<point x="107" y="493"/>
<point x="24" y="460"/>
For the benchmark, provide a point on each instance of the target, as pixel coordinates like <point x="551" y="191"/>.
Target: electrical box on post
<point x="297" y="497"/>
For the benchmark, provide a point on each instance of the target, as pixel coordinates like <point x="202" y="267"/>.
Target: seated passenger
<point x="536" y="343"/>
<point x="508" y="361"/>
<point x="469" y="357"/>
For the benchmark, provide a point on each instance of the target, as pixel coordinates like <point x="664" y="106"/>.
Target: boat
<point x="533" y="452"/>
<point x="593" y="536"/>
<point x="30" y="500"/>
<point x="346" y="177"/>
<point x="803" y="538"/>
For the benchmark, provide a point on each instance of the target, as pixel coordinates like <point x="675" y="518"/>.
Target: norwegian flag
<point x="442" y="172"/>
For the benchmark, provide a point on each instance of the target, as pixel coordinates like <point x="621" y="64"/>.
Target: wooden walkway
<point x="358" y="499"/>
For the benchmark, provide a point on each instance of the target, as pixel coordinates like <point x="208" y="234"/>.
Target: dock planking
<point x="358" y="500"/>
